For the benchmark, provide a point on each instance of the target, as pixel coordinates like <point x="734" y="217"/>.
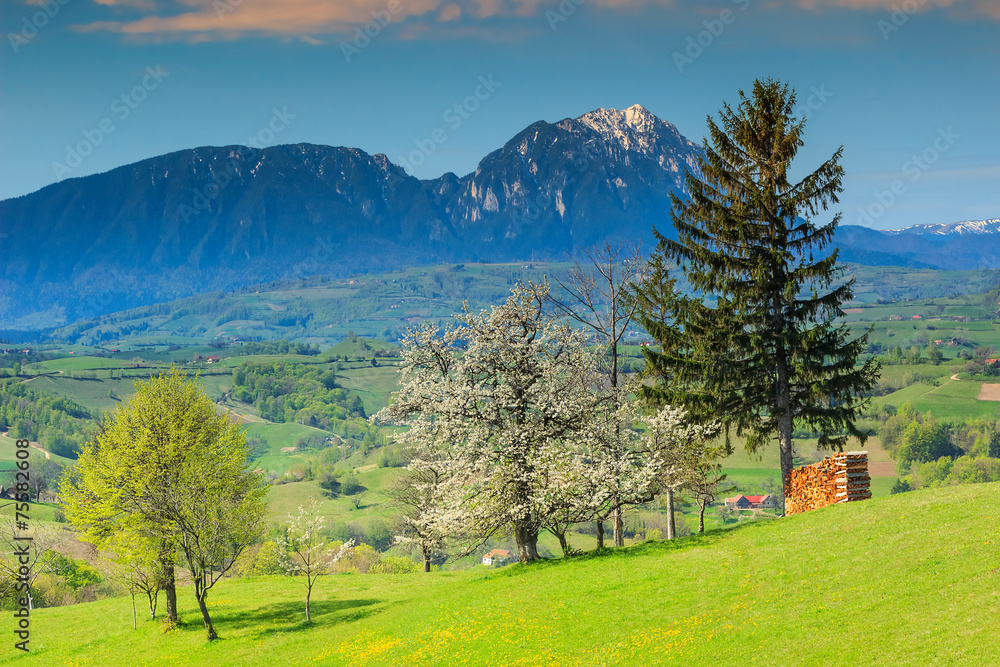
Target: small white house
<point x="497" y="556"/>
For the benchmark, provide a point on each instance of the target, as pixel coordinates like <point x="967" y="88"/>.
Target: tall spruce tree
<point x="755" y="346"/>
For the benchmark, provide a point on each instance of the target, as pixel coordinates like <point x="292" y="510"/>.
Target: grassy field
<point x="905" y="580"/>
<point x="952" y="400"/>
<point x="373" y="384"/>
<point x="373" y="501"/>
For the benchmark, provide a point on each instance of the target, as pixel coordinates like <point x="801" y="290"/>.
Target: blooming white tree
<point x="599" y="294"/>
<point x="303" y="551"/>
<point x="25" y="559"/>
<point x="682" y="448"/>
<point x="417" y="493"/>
<point x="493" y="401"/>
<point x="633" y="457"/>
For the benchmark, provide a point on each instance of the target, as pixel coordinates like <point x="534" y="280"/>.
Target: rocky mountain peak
<point x="636" y="118"/>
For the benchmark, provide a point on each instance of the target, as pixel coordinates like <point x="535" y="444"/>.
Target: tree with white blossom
<point x="599" y="294"/>
<point x="303" y="551"/>
<point x="417" y="494"/>
<point x="510" y="431"/>
<point x="496" y="398"/>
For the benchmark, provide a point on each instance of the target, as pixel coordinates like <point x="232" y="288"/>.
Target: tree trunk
<point x="671" y="526"/>
<point x="169" y="581"/>
<point x="701" y="517"/>
<point x="785" y="442"/>
<point x="426" y="553"/>
<point x="170" y="587"/>
<point x="563" y="544"/>
<point x="619" y="525"/>
<point x="600" y="533"/>
<point x="201" y="594"/>
<point x="784" y="420"/>
<point x="309" y="590"/>
<point x="134" y="624"/>
<point x="527" y="543"/>
<point x="152" y="603"/>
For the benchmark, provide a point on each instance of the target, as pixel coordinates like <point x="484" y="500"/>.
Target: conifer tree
<point x="756" y="346"/>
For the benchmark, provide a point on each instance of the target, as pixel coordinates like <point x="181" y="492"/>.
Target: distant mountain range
<point x="953" y="228"/>
<point x="224" y="217"/>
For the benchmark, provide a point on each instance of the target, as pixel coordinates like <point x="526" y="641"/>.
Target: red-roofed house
<point x="498" y="556"/>
<point x="742" y="502"/>
<point x="764" y="502"/>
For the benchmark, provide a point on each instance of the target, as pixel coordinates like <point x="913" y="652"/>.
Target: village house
<point x="497" y="556"/>
<point x="742" y="502"/>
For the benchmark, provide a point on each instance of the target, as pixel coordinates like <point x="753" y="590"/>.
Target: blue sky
<point x="123" y="80"/>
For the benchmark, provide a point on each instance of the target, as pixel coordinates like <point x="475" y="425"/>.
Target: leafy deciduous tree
<point x="166" y="465"/>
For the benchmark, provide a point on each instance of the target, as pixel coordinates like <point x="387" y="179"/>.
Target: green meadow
<point x="905" y="580"/>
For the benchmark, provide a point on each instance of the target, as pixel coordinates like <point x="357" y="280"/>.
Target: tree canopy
<point x="756" y="346"/>
<point x="169" y="471"/>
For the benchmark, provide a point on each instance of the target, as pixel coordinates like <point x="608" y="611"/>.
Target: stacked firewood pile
<point x="840" y="478"/>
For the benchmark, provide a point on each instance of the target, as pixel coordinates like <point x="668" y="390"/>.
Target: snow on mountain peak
<point x="607" y="121"/>
<point x="991" y="226"/>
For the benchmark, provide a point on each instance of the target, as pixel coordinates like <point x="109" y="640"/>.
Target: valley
<point x="100" y="360"/>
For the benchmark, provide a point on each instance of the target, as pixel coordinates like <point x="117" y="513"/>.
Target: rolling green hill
<point x="905" y="580"/>
<point x="324" y="310"/>
<point x="311" y="310"/>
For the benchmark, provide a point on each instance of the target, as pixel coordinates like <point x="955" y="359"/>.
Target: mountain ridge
<point x="210" y="218"/>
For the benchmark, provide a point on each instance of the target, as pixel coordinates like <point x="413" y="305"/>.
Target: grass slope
<point x="905" y="580"/>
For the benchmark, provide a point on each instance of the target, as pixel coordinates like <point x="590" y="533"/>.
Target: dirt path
<point x="240" y="418"/>
<point x="42" y="375"/>
<point x="34" y="445"/>
<point x="881" y="469"/>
